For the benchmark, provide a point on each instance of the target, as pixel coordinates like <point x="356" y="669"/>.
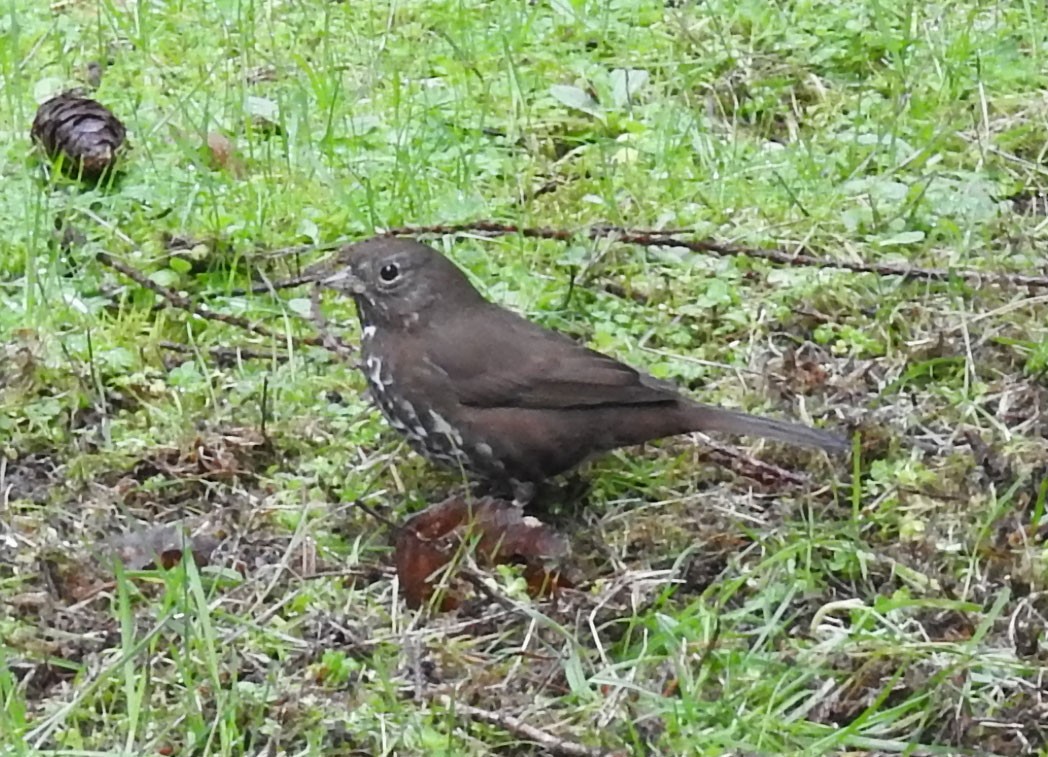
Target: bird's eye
<point x="389" y="272"/>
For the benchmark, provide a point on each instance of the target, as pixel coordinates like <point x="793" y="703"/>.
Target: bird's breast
<point x="399" y="389"/>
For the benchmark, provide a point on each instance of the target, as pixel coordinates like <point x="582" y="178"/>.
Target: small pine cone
<point x="85" y="133"/>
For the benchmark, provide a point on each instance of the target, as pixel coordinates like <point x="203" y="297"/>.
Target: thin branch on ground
<point x="268" y="288"/>
<point x="299" y="249"/>
<point x="327" y="339"/>
<point x="548" y="741"/>
<point x="376" y="515"/>
<point x="746" y="465"/>
<point x="473" y="575"/>
<point x="801" y="257"/>
<point x="669" y="238"/>
<point x="225" y="355"/>
<point x="184" y="303"/>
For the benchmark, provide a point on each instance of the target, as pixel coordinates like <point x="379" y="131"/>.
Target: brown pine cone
<point x="82" y="132"/>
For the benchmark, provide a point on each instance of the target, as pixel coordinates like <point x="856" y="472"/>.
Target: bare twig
<point x="479" y="582"/>
<point x="376" y="515"/>
<point x="226" y="355"/>
<point x="617" y="290"/>
<point x="267" y="288"/>
<point x="656" y="238"/>
<point x="184" y="303"/>
<point x="298" y="249"/>
<point x="329" y="340"/>
<point x="181" y="302"/>
<point x="748" y="466"/>
<point x="551" y="743"/>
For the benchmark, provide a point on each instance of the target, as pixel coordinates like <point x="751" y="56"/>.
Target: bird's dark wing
<point x="503" y="360"/>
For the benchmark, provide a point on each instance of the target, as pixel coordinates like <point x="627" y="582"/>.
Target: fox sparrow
<point x="477" y="387"/>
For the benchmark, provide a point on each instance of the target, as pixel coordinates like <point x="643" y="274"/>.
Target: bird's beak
<point x="345" y="280"/>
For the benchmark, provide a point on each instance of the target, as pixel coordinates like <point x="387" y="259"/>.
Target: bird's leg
<point x="576" y="487"/>
<point x="491" y="487"/>
<point x="552" y="495"/>
<point x="523" y="492"/>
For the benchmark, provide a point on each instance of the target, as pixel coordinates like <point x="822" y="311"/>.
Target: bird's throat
<point x="373" y="315"/>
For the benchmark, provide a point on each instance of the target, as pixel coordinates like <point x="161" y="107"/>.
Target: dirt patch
<point x="57" y="539"/>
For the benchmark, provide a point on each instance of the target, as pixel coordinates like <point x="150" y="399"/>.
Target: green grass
<point x="896" y="606"/>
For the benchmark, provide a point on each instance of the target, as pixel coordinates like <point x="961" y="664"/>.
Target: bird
<point x="476" y="387"/>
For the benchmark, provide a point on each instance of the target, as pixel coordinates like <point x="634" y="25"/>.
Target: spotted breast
<point x="426" y="431"/>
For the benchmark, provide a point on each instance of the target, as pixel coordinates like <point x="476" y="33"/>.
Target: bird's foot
<point x="534" y="494"/>
<point x="495" y="489"/>
<point x="523" y="492"/>
<point x="575" y="489"/>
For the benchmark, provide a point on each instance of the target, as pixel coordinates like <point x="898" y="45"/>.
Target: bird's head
<point x="399" y="282"/>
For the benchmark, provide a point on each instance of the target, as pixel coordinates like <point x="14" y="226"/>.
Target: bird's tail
<point x="709" y="418"/>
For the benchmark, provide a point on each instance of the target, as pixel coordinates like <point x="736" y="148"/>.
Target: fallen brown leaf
<point x="428" y="542"/>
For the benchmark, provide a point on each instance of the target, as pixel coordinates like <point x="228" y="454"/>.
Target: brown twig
<point x="264" y="288"/>
<point x="267" y="288"/>
<point x="376" y="515"/>
<point x="748" y="466"/>
<point x="668" y="238"/>
<point x="617" y="290"/>
<point x="224" y="355"/>
<point x="184" y="303"/>
<point x="478" y="581"/>
<point x="298" y="249"/>
<point x="551" y="743"/>
<point x="327" y="339"/>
